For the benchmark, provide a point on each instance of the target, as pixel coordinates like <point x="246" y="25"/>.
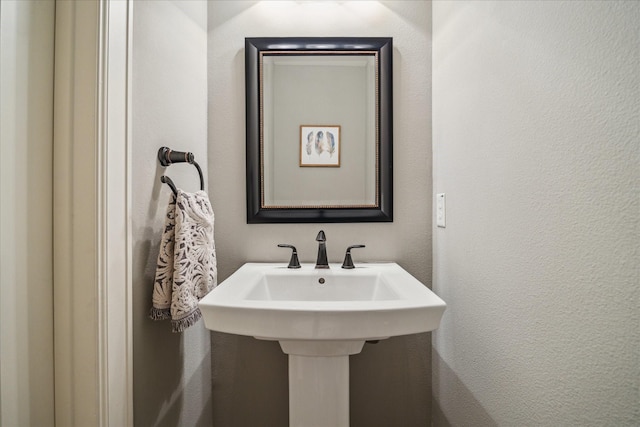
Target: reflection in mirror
<point x="297" y="142"/>
<point x="318" y="129"/>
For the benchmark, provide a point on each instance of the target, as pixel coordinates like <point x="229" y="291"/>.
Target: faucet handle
<point x="293" y="262"/>
<point x="348" y="261"/>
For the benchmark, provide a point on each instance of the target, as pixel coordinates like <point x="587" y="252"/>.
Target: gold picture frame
<point x="320" y="146"/>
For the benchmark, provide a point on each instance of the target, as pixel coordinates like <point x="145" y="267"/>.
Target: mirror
<point x="319" y="130"/>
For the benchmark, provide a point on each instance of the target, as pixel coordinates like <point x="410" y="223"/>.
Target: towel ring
<point x="167" y="156"/>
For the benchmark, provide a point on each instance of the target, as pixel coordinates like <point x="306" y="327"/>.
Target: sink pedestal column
<point x="319" y="381"/>
<point x="318" y="391"/>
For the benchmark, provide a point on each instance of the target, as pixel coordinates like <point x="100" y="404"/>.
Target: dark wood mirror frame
<point x="257" y="212"/>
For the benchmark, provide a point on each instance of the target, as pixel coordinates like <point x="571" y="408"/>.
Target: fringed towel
<point x="186" y="269"/>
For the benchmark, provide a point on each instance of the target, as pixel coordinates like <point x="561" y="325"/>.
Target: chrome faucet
<point x="322" y="261"/>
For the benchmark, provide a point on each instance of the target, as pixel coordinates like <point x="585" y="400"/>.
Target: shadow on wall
<point x="156" y="378"/>
<point x="239" y="383"/>
<point x="391" y="382"/>
<point x="159" y="360"/>
<point x="446" y="384"/>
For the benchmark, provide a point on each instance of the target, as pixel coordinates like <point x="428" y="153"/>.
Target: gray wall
<point x="172" y="372"/>
<point x="390" y="381"/>
<point x="536" y="124"/>
<point x="26" y="213"/>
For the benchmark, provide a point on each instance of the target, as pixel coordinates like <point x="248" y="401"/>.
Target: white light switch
<point x="440" y="210"/>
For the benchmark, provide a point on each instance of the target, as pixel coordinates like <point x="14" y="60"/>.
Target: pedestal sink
<point x="320" y="317"/>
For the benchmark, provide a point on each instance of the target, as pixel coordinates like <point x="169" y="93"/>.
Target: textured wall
<point x="390" y="381"/>
<point x="536" y="126"/>
<point x="172" y="372"/>
<point x="26" y="213"/>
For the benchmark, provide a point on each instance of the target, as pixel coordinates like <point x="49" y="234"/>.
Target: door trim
<point x="92" y="214"/>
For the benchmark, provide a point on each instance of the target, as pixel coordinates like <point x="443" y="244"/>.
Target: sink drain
<point x="321" y="280"/>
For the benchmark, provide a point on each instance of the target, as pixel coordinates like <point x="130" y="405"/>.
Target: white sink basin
<point x="320" y="317"/>
<point x="372" y="301"/>
<point x="306" y="286"/>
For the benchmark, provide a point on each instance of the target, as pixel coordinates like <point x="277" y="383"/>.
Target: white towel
<point x="186" y="269"/>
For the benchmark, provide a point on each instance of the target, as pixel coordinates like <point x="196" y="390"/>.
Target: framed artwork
<point x="320" y="146"/>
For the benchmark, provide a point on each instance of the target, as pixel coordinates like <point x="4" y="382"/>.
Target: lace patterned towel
<point x="186" y="269"/>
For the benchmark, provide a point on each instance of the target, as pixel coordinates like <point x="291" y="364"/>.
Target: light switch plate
<point x="440" y="210"/>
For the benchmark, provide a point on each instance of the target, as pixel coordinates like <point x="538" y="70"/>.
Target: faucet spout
<point x="321" y="261"/>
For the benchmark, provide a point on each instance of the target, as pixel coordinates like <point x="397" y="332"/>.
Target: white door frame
<point x="92" y="214"/>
